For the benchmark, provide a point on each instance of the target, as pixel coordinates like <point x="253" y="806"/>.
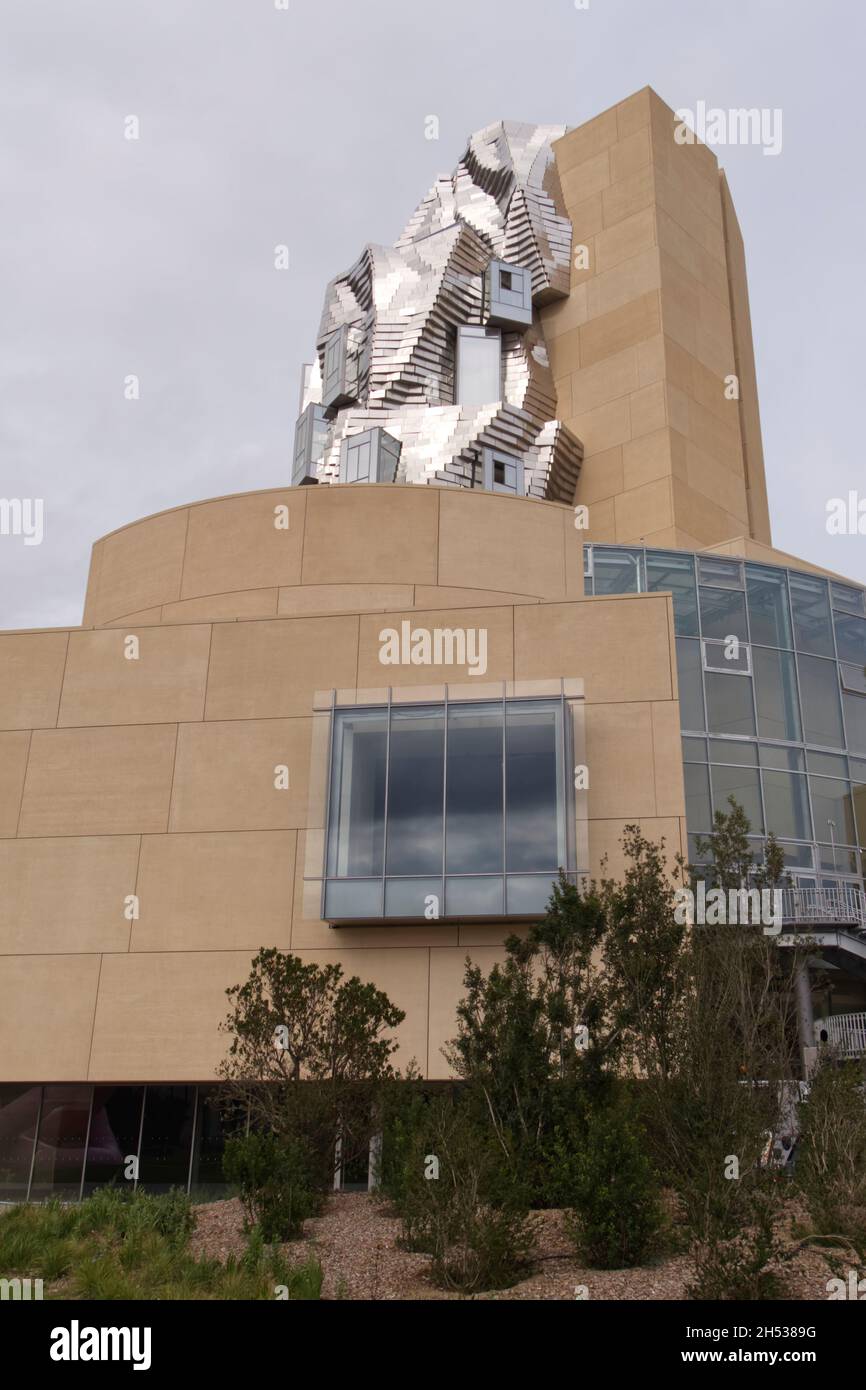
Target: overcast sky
<point x="261" y="126"/>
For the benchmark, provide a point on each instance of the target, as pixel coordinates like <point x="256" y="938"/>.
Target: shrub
<point x="127" y="1212"/>
<point x="615" y="1215"/>
<point x="831" y="1160"/>
<point x="740" y="1267"/>
<point x="276" y="1182"/>
<point x="460" y="1201"/>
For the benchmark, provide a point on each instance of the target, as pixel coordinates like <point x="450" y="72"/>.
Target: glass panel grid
<point x="449" y="797"/>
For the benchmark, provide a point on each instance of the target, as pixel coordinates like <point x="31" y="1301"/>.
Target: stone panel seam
<point x="23" y="788"/>
<point x="183" y="557"/>
<point x="173" y="767"/>
<point x="93" y="1018"/>
<point x="206" y="679"/>
<point x="62" y="681"/>
<point x="135" y="888"/>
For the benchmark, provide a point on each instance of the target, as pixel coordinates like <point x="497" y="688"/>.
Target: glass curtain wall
<point x="772" y="684"/>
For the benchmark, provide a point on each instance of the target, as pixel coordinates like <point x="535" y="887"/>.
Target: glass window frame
<point x="565" y="810"/>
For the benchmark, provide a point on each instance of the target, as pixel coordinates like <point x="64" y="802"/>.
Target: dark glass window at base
<point x="115" y="1128"/>
<point x="61" y="1142"/>
<point x="217" y="1118"/>
<point x="166" y="1139"/>
<point x="19" y="1116"/>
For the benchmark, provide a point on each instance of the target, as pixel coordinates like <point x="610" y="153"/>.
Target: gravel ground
<point x="355" y="1241"/>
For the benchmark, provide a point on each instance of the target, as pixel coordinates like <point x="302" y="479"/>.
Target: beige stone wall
<point x="154" y="776"/>
<point x="346" y="549"/>
<point x="653" y="326"/>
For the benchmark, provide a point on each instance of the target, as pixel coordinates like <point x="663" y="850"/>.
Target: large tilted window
<point x="447" y="810"/>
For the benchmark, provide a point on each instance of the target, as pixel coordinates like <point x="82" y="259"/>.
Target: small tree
<point x="734" y="1052"/>
<point x="537" y="1026"/>
<point x="645" y="953"/>
<point x="309" y="1051"/>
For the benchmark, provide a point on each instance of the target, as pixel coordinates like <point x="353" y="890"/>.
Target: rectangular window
<point x="848" y="599"/>
<point x="769" y="613"/>
<point x="694" y="750"/>
<point x="699" y="816"/>
<point x="337" y="390"/>
<point x="813" y="625"/>
<point x="787" y="801"/>
<point x="447" y="810"/>
<point x="535" y="803"/>
<point x="616" y="571"/>
<point x="479" y="366"/>
<point x="729" y="704"/>
<point x="115" y="1132"/>
<point x="690" y="684"/>
<point x="833" y="810"/>
<point x="827" y="764"/>
<point x="851" y="639"/>
<point x="474" y="810"/>
<point x="855" y="722"/>
<point x="776" y="694"/>
<point x="61" y="1142"/>
<point x="742" y="783"/>
<point x="357" y="805"/>
<point x="822" y="713"/>
<point x="19" y="1116"/>
<point x="503" y="472"/>
<point x="853" y="678"/>
<point x="786" y="759"/>
<point x="416" y="779"/>
<point x="798" y="856"/>
<point x="668" y="571"/>
<point x="166" y="1137"/>
<point x="723" y="614"/>
<point x="732" y="658"/>
<point x="729" y="750"/>
<point x="726" y="574"/>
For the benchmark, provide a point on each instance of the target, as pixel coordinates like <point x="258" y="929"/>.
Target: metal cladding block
<point x="311" y="437"/>
<point x="554" y="463"/>
<point x="343" y="367"/>
<point x="503" y="473"/>
<point x="369" y="457"/>
<point x="439" y="339"/>
<point x="507" y="295"/>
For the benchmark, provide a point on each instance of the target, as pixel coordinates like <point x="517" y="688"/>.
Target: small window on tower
<point x="499" y="471"/>
<point x="506" y="280"/>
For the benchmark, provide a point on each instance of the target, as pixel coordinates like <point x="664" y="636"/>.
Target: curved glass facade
<point x="772" y="678"/>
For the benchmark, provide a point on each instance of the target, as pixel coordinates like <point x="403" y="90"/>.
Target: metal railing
<point x="843" y="905"/>
<point x="844" y="1032"/>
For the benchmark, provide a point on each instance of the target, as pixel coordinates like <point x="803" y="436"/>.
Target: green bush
<point x="831" y="1160"/>
<point x="276" y="1180"/>
<point x="461" y="1202"/>
<point x="615" y="1215"/>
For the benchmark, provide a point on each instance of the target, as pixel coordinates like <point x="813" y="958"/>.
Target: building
<point x="527" y="517"/>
